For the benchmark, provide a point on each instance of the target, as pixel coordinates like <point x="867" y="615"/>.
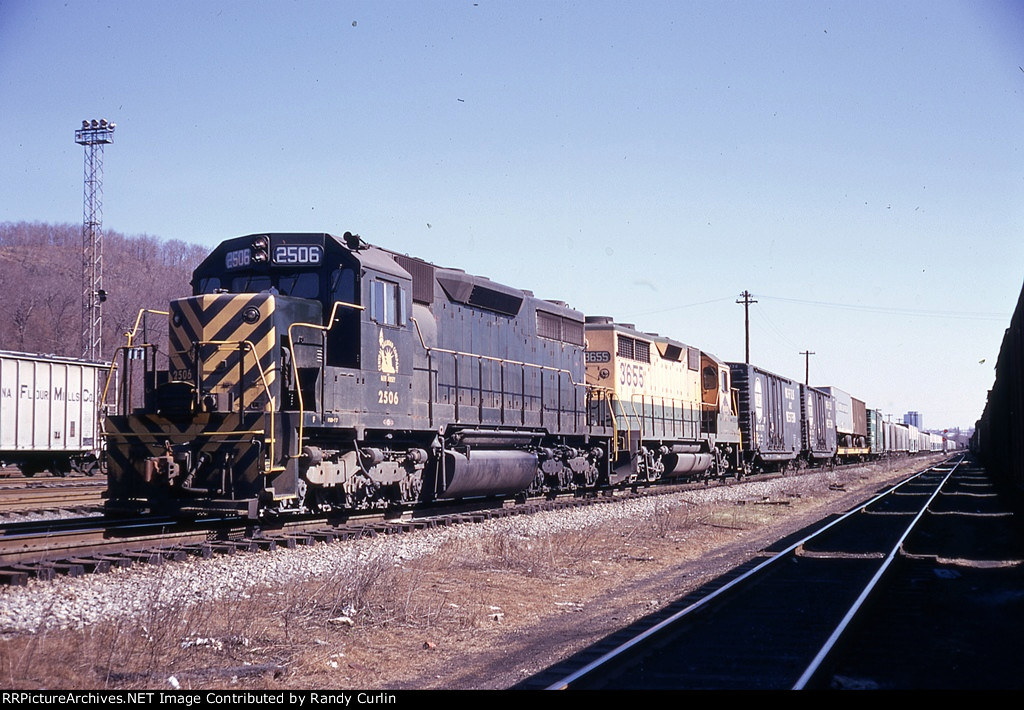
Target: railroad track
<point x="46" y="549"/>
<point x="786" y="620"/>
<point x="27" y="496"/>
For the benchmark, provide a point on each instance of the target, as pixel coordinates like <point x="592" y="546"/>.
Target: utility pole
<point x="807" y="366"/>
<point x="93" y="135"/>
<point x="746" y="298"/>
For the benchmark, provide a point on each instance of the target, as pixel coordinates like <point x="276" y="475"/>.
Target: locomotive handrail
<point x="217" y="343"/>
<point x="505" y="361"/>
<point x="263" y="380"/>
<point x="430" y="348"/>
<point x="295" y="366"/>
<point x="672" y="401"/>
<point x="110" y="372"/>
<point x="608" y="395"/>
<point x="130" y="335"/>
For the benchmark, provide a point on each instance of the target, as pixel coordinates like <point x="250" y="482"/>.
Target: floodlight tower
<point x="93" y="135"/>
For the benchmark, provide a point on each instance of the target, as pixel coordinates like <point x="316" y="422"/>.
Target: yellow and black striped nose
<point x="234" y="337"/>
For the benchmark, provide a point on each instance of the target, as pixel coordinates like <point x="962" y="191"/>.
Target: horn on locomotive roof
<point x="354" y="242"/>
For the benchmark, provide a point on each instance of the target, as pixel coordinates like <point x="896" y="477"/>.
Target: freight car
<point x="818" y="424"/>
<point x="998" y="439"/>
<point x="769" y="417"/>
<point x="48" y="413"/>
<point x="851" y="426"/>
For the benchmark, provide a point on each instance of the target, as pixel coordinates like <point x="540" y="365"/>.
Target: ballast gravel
<point x="137" y="592"/>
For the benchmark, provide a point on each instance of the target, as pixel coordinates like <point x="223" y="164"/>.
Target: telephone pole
<point x="807" y="366"/>
<point x="93" y="135"/>
<point x="746" y="298"/>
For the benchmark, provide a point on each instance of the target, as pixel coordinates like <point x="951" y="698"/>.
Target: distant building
<point x="913" y="419"/>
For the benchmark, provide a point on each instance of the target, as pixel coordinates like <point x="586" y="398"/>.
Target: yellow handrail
<point x="429" y="348"/>
<point x="263" y="379"/>
<point x="295" y="366"/>
<point x="266" y="388"/>
<point x="130" y="335"/>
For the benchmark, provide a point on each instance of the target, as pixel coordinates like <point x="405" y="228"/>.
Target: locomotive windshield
<point x="301" y="284"/>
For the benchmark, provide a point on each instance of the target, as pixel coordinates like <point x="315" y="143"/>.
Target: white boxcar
<point x="915" y="439"/>
<point x="49" y="417"/>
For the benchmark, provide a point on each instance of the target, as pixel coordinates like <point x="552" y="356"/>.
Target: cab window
<point x="710" y="378"/>
<point x="304" y="284"/>
<point x="343" y="335"/>
<point x="387" y="303"/>
<point x="250" y="283"/>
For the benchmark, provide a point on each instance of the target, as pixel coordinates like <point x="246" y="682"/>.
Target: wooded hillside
<point x="41" y="276"/>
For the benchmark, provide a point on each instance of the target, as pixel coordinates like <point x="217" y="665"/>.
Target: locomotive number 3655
<point x="631" y="375"/>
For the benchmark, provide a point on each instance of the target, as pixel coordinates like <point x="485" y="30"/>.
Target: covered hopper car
<point x="49" y="419"/>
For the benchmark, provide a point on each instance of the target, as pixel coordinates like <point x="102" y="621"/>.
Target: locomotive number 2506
<point x="297" y="254"/>
<point x="387" y="397"/>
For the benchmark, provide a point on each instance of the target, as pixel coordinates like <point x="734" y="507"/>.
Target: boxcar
<point x="769" y="414"/>
<point x="851" y="425"/>
<point x="817" y="421"/>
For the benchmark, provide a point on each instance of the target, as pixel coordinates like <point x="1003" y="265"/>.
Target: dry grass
<point x="256" y="639"/>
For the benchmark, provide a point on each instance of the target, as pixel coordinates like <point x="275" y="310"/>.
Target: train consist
<point x="311" y="372"/>
<point x="998" y="439"/>
<point x="48" y="413"/>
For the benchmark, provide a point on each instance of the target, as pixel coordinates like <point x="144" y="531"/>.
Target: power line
<point x="676" y="308"/>
<point x="967" y="315"/>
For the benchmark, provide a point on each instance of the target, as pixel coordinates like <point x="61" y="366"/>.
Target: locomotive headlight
<point x="176" y="320"/>
<point x="261" y="249"/>
<point x="250" y="314"/>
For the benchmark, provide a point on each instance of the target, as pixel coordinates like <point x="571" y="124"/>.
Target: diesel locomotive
<point x="311" y="372"/>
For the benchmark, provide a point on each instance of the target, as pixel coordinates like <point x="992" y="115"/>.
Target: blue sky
<point x="856" y="165"/>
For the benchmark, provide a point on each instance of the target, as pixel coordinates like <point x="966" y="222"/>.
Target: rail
<point x="629" y="652"/>
<point x="833" y="638"/>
